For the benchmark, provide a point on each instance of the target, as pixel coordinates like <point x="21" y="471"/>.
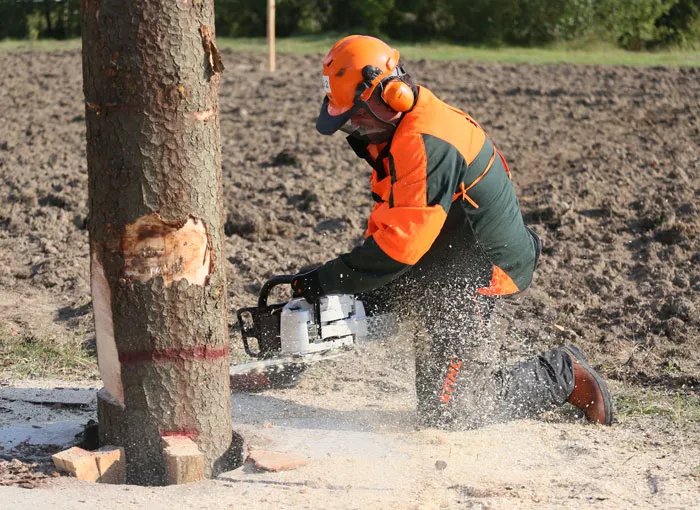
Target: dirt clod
<point x="284" y="158"/>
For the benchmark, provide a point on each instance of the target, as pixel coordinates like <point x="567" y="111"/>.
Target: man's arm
<point x="402" y="229"/>
<point x="365" y="268"/>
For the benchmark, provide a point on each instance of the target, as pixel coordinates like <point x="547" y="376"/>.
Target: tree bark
<point x="151" y="78"/>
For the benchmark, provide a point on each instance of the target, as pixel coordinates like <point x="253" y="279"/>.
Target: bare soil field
<point x="606" y="161"/>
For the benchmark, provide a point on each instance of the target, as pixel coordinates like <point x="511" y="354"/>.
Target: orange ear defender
<point x="398" y="96"/>
<point x="395" y="93"/>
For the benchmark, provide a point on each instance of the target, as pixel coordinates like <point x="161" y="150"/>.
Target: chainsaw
<point x="286" y="337"/>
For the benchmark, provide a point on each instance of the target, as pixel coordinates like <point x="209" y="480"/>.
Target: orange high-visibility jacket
<point x="438" y="158"/>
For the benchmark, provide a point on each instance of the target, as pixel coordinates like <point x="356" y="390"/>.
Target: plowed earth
<point x="605" y="160"/>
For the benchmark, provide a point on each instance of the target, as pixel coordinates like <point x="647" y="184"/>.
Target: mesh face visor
<point x="363" y="124"/>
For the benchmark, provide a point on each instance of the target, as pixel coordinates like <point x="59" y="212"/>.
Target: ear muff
<point x="398" y="96"/>
<point x="395" y="93"/>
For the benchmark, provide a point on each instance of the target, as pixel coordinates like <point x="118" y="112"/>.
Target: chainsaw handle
<point x="263" y="322"/>
<point x="271" y="284"/>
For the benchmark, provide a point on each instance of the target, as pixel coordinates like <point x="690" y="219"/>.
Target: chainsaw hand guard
<point x="262" y="324"/>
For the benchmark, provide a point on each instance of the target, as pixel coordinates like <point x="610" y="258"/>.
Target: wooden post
<point x="271" y="33"/>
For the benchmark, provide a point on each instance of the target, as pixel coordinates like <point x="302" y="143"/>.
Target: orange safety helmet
<point x="353" y="68"/>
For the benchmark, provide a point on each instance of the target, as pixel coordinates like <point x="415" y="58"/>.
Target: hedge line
<point x="633" y="24"/>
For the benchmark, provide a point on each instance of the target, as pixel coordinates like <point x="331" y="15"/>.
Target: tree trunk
<point x="47" y="15"/>
<point x="151" y="79"/>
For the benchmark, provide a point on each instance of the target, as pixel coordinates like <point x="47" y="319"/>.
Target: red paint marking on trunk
<point x="204" y="115"/>
<point x="199" y="352"/>
<point x="180" y="433"/>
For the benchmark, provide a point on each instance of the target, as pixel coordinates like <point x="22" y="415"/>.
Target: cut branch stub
<point x="217" y="65"/>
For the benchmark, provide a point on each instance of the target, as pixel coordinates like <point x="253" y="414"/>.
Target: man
<point x="445" y="239"/>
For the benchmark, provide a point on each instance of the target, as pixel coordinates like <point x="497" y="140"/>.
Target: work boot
<point x="590" y="391"/>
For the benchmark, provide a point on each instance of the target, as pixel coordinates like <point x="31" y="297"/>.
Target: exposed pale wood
<point x="111" y="464"/>
<point x="107" y="355"/>
<point x="184" y="461"/>
<point x="276" y="461"/>
<point x="78" y="462"/>
<point x="104" y="465"/>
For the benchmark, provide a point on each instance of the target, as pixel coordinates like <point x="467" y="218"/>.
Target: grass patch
<point x="25" y="355"/>
<point x="569" y="53"/>
<point x="40" y="45"/>
<point x="680" y="407"/>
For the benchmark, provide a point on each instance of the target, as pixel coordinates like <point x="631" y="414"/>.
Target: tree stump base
<point x="182" y="460"/>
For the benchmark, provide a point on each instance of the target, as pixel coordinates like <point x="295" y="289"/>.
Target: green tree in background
<point x="32" y="19"/>
<point x="633" y="22"/>
<point x="420" y="20"/>
<point x="481" y="21"/>
<point x="543" y="21"/>
<point x="248" y="18"/>
<point x="368" y="15"/>
<point x="241" y="18"/>
<point x="680" y="25"/>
